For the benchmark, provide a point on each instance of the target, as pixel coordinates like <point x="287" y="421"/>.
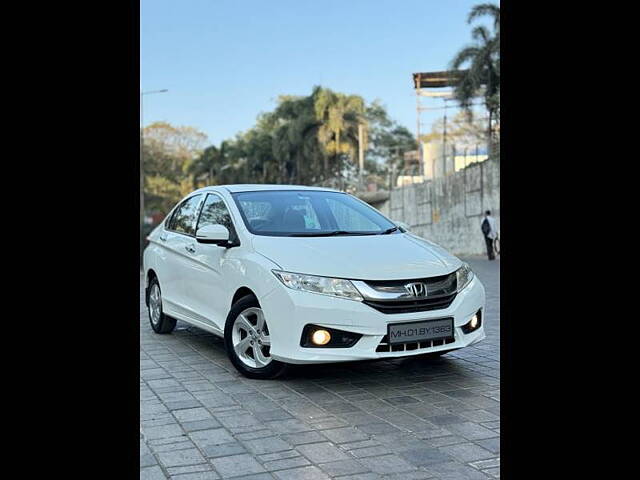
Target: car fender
<point x="252" y="271"/>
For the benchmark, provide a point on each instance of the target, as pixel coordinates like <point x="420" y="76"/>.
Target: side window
<point x="214" y="212"/>
<point x="184" y="218"/>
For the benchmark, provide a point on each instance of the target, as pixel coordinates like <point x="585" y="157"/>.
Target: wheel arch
<point x="241" y="292"/>
<point x="150" y="275"/>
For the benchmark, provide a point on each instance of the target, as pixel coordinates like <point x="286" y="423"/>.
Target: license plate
<point x="418" y="331"/>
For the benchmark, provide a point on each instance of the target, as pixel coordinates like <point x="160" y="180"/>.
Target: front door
<point x="206" y="284"/>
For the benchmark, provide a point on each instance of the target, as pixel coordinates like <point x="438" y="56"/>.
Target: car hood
<point x="370" y="257"/>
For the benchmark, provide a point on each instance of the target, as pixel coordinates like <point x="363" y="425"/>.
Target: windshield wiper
<point x="334" y="233"/>
<point x="389" y="230"/>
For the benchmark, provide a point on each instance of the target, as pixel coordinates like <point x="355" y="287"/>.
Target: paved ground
<point x="403" y="419"/>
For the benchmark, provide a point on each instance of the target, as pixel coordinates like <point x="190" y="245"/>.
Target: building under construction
<point x="435" y="158"/>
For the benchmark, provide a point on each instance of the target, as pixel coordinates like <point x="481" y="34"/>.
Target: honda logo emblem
<point x="417" y="289"/>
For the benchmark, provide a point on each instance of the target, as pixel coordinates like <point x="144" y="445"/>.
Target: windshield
<point x="300" y="213"/>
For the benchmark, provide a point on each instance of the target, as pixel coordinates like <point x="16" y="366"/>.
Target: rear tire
<point x="248" y="343"/>
<point x="158" y="320"/>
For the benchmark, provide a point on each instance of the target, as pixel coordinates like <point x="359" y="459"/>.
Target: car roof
<point x="262" y="187"/>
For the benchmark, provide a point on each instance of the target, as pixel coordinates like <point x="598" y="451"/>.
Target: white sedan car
<point x="291" y="274"/>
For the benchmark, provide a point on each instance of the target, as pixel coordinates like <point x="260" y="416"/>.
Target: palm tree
<point x="483" y="60"/>
<point x="485" y="9"/>
<point x="209" y="162"/>
<point x="339" y="116"/>
<point x="295" y="138"/>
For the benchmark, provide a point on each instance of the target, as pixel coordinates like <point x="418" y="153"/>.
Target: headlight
<point x="464" y="275"/>
<point x="337" y="287"/>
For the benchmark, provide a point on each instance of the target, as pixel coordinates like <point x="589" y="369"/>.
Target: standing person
<point x="490" y="232"/>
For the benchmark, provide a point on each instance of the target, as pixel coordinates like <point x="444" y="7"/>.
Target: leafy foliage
<point x="168" y="155"/>
<point x="307" y="140"/>
<point x="463" y="132"/>
<point x="482" y="62"/>
<point x="388" y="141"/>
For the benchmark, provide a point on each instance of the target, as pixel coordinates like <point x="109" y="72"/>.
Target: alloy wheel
<point x="250" y="338"/>
<point x="155" y="304"/>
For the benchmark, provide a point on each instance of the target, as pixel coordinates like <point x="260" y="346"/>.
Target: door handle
<point x="163" y="237"/>
<point x="190" y="249"/>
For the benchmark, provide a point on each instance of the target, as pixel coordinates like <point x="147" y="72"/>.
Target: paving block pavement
<point x="408" y="418"/>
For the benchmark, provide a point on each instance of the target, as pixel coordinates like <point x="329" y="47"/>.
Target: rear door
<point x="178" y="241"/>
<point x="205" y="283"/>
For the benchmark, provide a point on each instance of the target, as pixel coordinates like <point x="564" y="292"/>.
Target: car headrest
<point x="294" y="220"/>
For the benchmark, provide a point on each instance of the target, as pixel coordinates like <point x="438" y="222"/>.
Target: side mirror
<point x="402" y="225"/>
<point x="213" y="234"/>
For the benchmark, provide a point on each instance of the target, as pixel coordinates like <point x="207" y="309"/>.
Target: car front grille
<point x="436" y="286"/>
<point x="391" y="296"/>
<point x="385" y="347"/>
<point x="410" y="306"/>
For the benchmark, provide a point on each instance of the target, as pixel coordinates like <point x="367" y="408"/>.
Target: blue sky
<point x="225" y="61"/>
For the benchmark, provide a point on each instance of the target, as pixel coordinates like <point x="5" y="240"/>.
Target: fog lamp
<point x="320" y="337"/>
<point x="316" y="336"/>
<point x="473" y="324"/>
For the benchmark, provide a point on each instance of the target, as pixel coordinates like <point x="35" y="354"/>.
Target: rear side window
<point x="185" y="216"/>
<point x="214" y="211"/>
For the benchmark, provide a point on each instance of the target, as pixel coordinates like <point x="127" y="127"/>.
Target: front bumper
<point x="287" y="312"/>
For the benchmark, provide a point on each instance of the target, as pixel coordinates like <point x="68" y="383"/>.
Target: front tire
<point x="159" y="321"/>
<point x="247" y="340"/>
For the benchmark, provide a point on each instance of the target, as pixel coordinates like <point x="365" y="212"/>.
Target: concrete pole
<point x="141" y="164"/>
<point x="444" y="141"/>
<point x="142" y="161"/>
<point x="361" y="154"/>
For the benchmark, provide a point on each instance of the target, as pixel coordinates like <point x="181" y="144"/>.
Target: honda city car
<point x="299" y="275"/>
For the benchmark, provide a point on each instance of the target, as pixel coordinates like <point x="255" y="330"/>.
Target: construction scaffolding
<point x="434" y="85"/>
<point x="440" y="86"/>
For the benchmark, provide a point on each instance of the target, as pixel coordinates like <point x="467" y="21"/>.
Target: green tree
<point x="463" y="132"/>
<point x="209" y="164"/>
<point x="308" y="140"/>
<point x="169" y="153"/>
<point x="388" y="141"/>
<point x="340" y="116"/>
<point x="482" y="59"/>
<point x="295" y="140"/>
